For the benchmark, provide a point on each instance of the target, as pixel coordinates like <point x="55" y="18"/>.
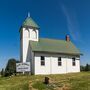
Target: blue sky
<point x="56" y="18"/>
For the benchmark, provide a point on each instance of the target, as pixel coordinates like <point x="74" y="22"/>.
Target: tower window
<point x="59" y="61"/>
<point x="26" y="33"/>
<point x="34" y="33"/>
<point x="42" y="61"/>
<point x="73" y="62"/>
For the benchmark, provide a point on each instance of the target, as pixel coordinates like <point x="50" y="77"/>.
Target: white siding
<point x="71" y="68"/>
<point x="42" y="69"/>
<point x="25" y="45"/>
<point x="51" y="64"/>
<point x="58" y="69"/>
<point x="27" y="34"/>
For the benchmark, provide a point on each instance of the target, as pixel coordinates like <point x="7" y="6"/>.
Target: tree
<point x="11" y="67"/>
<point x="87" y="67"/>
<point x="82" y="68"/>
<point x="2" y="72"/>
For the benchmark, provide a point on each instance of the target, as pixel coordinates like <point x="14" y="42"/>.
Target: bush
<point x="11" y="67"/>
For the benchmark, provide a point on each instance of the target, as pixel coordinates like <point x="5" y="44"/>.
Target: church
<point x="47" y="56"/>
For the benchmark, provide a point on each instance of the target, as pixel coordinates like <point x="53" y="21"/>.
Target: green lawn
<point x="75" y="81"/>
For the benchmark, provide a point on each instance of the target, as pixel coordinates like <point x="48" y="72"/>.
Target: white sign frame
<point x="23" y="67"/>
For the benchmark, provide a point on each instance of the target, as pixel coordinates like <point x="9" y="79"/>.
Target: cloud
<point x="72" y="23"/>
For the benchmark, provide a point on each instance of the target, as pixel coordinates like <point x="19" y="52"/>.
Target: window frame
<point x="59" y="61"/>
<point x="73" y="61"/>
<point x="42" y="61"/>
<point x="35" y="34"/>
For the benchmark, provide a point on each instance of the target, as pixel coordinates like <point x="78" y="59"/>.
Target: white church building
<point x="47" y="56"/>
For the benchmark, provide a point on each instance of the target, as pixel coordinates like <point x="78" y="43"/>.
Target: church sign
<point x="23" y="67"/>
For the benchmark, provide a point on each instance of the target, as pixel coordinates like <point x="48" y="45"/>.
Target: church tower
<point x="29" y="31"/>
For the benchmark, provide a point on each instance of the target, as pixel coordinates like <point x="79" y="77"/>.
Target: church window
<point x="26" y="33"/>
<point x="42" y="61"/>
<point x="34" y="33"/>
<point x="59" y="61"/>
<point x="73" y="61"/>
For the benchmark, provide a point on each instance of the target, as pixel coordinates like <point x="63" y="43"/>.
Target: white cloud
<point x="72" y="23"/>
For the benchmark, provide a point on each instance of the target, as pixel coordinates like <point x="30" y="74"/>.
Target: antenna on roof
<point x="28" y="14"/>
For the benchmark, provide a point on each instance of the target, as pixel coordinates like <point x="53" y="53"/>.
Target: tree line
<point x="85" y="68"/>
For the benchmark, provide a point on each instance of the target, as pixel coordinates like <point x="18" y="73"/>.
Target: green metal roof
<point x="55" y="46"/>
<point x="30" y="22"/>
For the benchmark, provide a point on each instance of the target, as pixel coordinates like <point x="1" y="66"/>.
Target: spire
<point x="30" y="22"/>
<point x="28" y="14"/>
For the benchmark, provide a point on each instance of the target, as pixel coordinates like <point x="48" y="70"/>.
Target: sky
<point x="56" y="18"/>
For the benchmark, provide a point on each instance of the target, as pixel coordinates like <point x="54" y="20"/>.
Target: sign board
<point x="23" y="67"/>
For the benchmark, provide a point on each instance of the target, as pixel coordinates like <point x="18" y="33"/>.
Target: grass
<point x="75" y="81"/>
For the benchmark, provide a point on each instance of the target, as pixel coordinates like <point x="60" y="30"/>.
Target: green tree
<point x="82" y="68"/>
<point x="2" y="72"/>
<point x="10" y="67"/>
<point x="87" y="67"/>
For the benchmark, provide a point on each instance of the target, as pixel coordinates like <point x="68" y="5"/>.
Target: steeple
<point x="29" y="31"/>
<point x="29" y="22"/>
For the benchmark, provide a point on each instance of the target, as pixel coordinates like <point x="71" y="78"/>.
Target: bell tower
<point x="29" y="31"/>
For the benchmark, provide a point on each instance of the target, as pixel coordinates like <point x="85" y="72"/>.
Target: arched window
<point x="26" y="33"/>
<point x="34" y="34"/>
